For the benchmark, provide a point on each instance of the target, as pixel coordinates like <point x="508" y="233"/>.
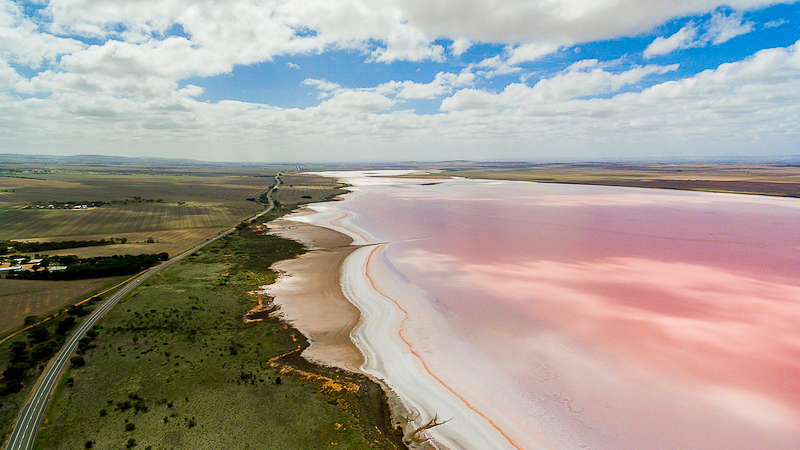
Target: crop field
<point x="177" y="207"/>
<point x="98" y="186"/>
<point x="172" y="242"/>
<point x="113" y="220"/>
<point x="306" y="188"/>
<point x="22" y="298"/>
<point x="175" y="366"/>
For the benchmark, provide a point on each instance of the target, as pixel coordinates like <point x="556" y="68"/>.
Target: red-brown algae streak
<point x="404" y="325"/>
<point x="686" y="302"/>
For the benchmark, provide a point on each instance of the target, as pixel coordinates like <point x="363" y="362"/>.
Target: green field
<point x="202" y="378"/>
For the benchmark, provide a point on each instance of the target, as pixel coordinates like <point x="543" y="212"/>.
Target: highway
<point x="31" y="415"/>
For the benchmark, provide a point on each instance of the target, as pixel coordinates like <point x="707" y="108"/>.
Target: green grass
<point x="180" y="348"/>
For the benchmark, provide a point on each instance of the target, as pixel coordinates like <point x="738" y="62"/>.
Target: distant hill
<point x="90" y="160"/>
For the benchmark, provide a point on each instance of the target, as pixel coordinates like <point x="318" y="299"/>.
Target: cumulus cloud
<point x="134" y="76"/>
<point x="21" y="41"/>
<point x="566" y="86"/>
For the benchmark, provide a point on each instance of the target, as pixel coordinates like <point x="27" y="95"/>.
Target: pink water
<point x="597" y="317"/>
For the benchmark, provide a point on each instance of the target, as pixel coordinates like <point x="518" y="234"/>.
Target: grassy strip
<point x="175" y="366"/>
<point x="39" y="341"/>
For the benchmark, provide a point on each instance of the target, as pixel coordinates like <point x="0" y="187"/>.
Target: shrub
<point x="77" y="361"/>
<point x="30" y="320"/>
<point x="39" y="334"/>
<point x="130" y="426"/>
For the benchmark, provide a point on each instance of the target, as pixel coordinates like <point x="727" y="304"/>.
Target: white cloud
<point x="8" y="76"/>
<point x="322" y="85"/>
<point x="583" y="64"/>
<point x="443" y="83"/>
<point x="130" y="84"/>
<point x="563" y="87"/>
<point x="530" y="52"/>
<point x="292" y="65"/>
<point x="460" y="45"/>
<point x="246" y="31"/>
<point x="775" y="23"/>
<point x="492" y="67"/>
<point x="21" y="42"/>
<point x="684" y="38"/>
<point x="722" y="28"/>
<point x="719" y="29"/>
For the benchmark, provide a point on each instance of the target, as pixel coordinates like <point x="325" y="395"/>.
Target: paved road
<point x="24" y="433"/>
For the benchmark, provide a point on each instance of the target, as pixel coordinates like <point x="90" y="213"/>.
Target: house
<point x="10" y="269"/>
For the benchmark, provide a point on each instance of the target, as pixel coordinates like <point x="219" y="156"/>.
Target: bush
<point x="43" y="351"/>
<point x="88" y="444"/>
<point x="12" y="388"/>
<point x="77" y="361"/>
<point x="65" y="325"/>
<point x="30" y="320"/>
<point x="129" y="426"/>
<point x="39" y="334"/>
<point x="15" y="372"/>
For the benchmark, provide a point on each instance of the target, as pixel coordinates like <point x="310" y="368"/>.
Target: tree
<point x="30" y="320"/>
<point x="77" y="361"/>
<point x="15" y="372"/>
<point x="39" y="334"/>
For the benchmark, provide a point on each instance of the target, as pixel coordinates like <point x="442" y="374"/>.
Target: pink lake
<point x="566" y="316"/>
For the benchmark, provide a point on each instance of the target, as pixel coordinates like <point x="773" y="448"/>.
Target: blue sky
<point x="394" y="80"/>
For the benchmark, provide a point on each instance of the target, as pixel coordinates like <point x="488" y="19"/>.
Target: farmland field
<point x="172" y="242"/>
<point x="91" y="186"/>
<point x="306" y="188"/>
<point x="22" y="298"/>
<point x="113" y="220"/>
<point x="176" y="207"/>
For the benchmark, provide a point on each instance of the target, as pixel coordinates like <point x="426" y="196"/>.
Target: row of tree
<point x="96" y="267"/>
<point x="31" y="247"/>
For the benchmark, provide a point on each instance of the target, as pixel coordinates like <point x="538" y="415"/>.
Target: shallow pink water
<point x="598" y="316"/>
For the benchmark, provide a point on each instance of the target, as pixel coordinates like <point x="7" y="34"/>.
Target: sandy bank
<point x="309" y="295"/>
